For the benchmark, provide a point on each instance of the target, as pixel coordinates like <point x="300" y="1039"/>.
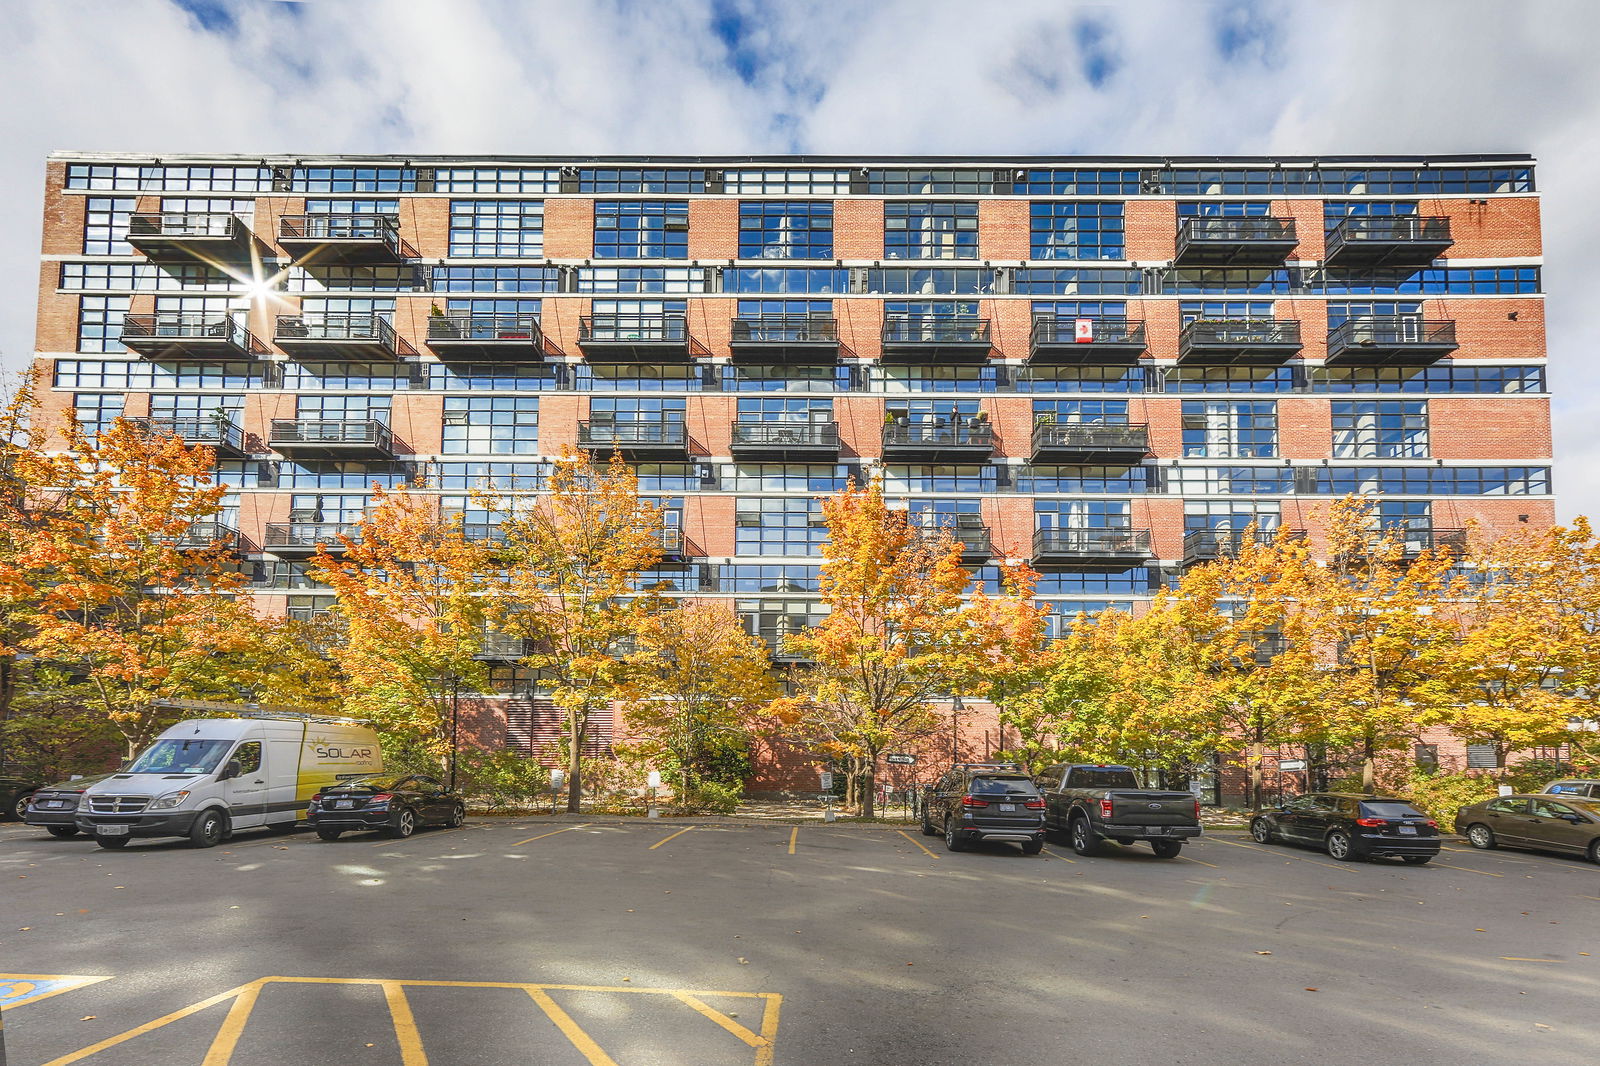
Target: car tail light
<point x="1035" y="805"/>
<point x="317" y="798"/>
<point x="973" y="801"/>
<point x="1433" y="823"/>
<point x="381" y="797"/>
<point x="1372" y="823"/>
<point x="1197" y="810"/>
<point x="1105" y="808"/>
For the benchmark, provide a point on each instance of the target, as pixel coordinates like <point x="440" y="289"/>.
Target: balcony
<point x="1214" y="241"/>
<point x="1407" y="544"/>
<point x="799" y="339"/>
<point x="1089" y="442"/>
<point x="1390" y="340"/>
<point x="339" y="334"/>
<point x="502" y="648"/>
<point x="1258" y="341"/>
<point x="219" y="433"/>
<point x="322" y="239"/>
<point x="1209" y="545"/>
<point x="491" y="337"/>
<point x="1393" y="240"/>
<point x="627" y="338"/>
<point x="673" y="546"/>
<point x="798" y="441"/>
<point x="208" y="237"/>
<point x="965" y="441"/>
<point x="917" y="338"/>
<point x="1091" y="341"/>
<point x="302" y="538"/>
<point x="181" y="335"/>
<point x="635" y="440"/>
<point x="332" y="438"/>
<point x="200" y="536"/>
<point x="482" y="532"/>
<point x="781" y="654"/>
<point x="1091" y="545"/>
<point x="977" y="545"/>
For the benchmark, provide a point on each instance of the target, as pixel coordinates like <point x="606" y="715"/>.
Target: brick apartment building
<point x="1103" y="366"/>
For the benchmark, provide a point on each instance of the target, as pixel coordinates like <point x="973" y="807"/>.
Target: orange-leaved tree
<point x="573" y="557"/>
<point x="411" y="597"/>
<point x="1009" y="654"/>
<point x="894" y="637"/>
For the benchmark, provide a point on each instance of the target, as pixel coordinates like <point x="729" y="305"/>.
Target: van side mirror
<point x="230" y="771"/>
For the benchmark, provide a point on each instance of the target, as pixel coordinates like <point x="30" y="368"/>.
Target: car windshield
<point x="1103" y="779"/>
<point x="1591" y="808"/>
<point x="372" y="783"/>
<point x="1002" y="786"/>
<point x="180" y="757"/>
<point x="1381" y="809"/>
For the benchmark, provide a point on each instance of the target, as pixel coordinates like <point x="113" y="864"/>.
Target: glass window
<point x="779" y="526"/>
<point x="504" y="229"/>
<point x="340" y="408"/>
<point x="1083" y="514"/>
<point x="1078" y="182"/>
<point x="787" y="182"/>
<point x="968" y="282"/>
<point x="353" y="179"/>
<point x="1464" y="281"/>
<point x="1226" y="429"/>
<point x="353" y="207"/>
<point x="1099" y="412"/>
<point x="1076" y="281"/>
<point x="1230" y="379"/>
<point x="1189" y="310"/>
<point x="1134" y="579"/>
<point x="785" y="477"/>
<point x="496" y="179"/>
<point x="645" y="229"/>
<point x="785" y="409"/>
<point x="1342" y="311"/>
<point x="785" y="230"/>
<point x="1432" y="480"/>
<point x="1231" y="480"/>
<point x="784" y="378"/>
<point x="1244" y="281"/>
<point x="641" y="279"/>
<point x="930" y="231"/>
<point x="492" y="476"/>
<point x="1203" y="515"/>
<point x="495" y="377"/>
<point x="904" y="477"/>
<point x="1458" y="377"/>
<point x="1084" y="379"/>
<point x="636" y="179"/>
<point x="96" y="411"/>
<point x="935" y="182"/>
<point x="360" y="376"/>
<point x="495" y="279"/>
<point x="1075" y="230"/>
<point x="615" y="410"/>
<point x="1224" y="209"/>
<point x="781" y="279"/>
<point x="1380" y="429"/>
<point x="491" y="425"/>
<point x="100" y="323"/>
<point x="770" y="577"/>
<point x="168" y="179"/>
<point x="1118" y="480"/>
<point x="105" y="226"/>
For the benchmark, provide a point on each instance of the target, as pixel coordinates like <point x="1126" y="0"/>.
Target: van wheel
<point x="329" y="834"/>
<point x="208" y="830"/>
<point x="1166" y="849"/>
<point x="112" y="843"/>
<point x="62" y="831"/>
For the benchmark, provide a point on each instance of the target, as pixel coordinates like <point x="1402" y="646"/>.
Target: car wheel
<point x="1340" y="845"/>
<point x="208" y="830"/>
<point x="1084" y="842"/>
<point x="1033" y="847"/>
<point x="1417" y="860"/>
<point x="329" y="834"/>
<point x="1480" y="836"/>
<point x="1166" y="849"/>
<point x="112" y="842"/>
<point x="458" y="814"/>
<point x="928" y="828"/>
<point x="1261" y="832"/>
<point x="17" y="809"/>
<point x="952" y="840"/>
<point x="62" y="831"/>
<point x="1594" y="850"/>
<point x="405" y="824"/>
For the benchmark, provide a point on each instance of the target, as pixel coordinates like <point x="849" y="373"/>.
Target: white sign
<point x="827" y="782"/>
<point x="900" y="760"/>
<point x="1083" y="331"/>
<point x="1291" y="764"/>
<point x="653" y="779"/>
<point x="557" y="779"/>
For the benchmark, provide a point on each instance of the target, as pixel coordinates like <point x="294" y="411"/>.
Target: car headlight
<point x="170" y="800"/>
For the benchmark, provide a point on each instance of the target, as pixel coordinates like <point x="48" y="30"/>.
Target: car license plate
<point x="1408" y="830"/>
<point x="1008" y="806"/>
<point x="111" y="830"/>
<point x="344" y="805"/>
<point x="55" y="804"/>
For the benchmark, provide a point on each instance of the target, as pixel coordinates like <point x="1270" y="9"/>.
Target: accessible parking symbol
<point x="17" y="989"/>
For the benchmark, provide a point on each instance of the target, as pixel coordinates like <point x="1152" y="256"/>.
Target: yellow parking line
<point x="1053" y="855"/>
<point x="405" y="1025"/>
<point x="662" y="841"/>
<point x="917" y="842"/>
<point x="227" y="1039"/>
<point x="753" y="1039"/>
<point x="1468" y="869"/>
<point x="113" y="1041"/>
<point x="552" y="833"/>
<point x="793" y="836"/>
<point x="1202" y="862"/>
<point x="569" y="1028"/>
<point x="1514" y="958"/>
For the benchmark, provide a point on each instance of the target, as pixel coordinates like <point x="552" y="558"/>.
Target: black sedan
<point x="398" y="805"/>
<point x="1350" y="825"/>
<point x="1554" y="823"/>
<point x="55" y="807"/>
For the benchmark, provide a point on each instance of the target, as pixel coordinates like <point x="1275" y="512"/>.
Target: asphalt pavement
<point x="636" y="943"/>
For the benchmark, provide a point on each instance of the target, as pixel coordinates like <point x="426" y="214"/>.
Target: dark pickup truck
<point x="1089" y="804"/>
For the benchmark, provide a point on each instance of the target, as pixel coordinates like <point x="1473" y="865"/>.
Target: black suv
<point x="1351" y="826"/>
<point x="985" y="801"/>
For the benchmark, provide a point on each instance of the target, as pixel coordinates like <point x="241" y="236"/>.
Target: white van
<point x="207" y="777"/>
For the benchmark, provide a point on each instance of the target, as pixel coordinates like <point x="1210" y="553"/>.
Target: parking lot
<point x="638" y="942"/>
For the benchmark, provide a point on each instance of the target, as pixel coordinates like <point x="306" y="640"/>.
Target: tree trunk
<point x="577" y="718"/>
<point x="869" y="788"/>
<point x="1369" y="767"/>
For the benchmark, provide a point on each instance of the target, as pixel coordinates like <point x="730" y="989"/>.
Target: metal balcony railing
<point x="1239" y="339"/>
<point x="1091" y="543"/>
<point x="663" y="333"/>
<point x="302" y="538"/>
<point x="1413" y="541"/>
<point x="190" y="334"/>
<point x="343" y="236"/>
<point x="502" y="647"/>
<point x="969" y="435"/>
<point x="1086" y="339"/>
<point x="485" y="532"/>
<point x="785" y="337"/>
<point x="1085" y="441"/>
<point x="975" y="539"/>
<point x="1252" y="239"/>
<point x="468" y="333"/>
<point x="1391" y="339"/>
<point x="925" y="335"/>
<point x="594" y="432"/>
<point x="752" y="436"/>
<point x="341" y="434"/>
<point x="1209" y="545"/>
<point x="208" y="534"/>
<point x="188" y="234"/>
<point x="1374" y="240"/>
<point x="218" y="432"/>
<point x="334" y="328"/>
<point x="672" y="544"/>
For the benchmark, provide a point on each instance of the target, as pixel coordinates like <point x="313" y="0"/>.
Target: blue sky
<point x="683" y="77"/>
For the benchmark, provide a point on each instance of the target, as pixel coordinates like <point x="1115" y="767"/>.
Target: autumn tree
<point x="696" y="682"/>
<point x="410" y="590"/>
<point x="893" y="638"/>
<point x="1008" y="653"/>
<point x="572" y="560"/>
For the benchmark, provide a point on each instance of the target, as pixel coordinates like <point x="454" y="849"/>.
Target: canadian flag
<point x="1083" y="330"/>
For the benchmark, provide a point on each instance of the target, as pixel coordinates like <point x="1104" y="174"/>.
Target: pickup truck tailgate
<point x="1151" y="808"/>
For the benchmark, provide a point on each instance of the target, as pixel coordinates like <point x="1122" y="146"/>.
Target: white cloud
<point x="898" y="76"/>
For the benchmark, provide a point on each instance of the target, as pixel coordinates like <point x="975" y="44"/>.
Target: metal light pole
<point x="957" y="705"/>
<point x="455" y="727"/>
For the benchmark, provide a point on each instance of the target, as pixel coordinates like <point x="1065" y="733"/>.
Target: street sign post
<point x="1291" y="764"/>
<point x="825" y="781"/>
<point x="900" y="760"/>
